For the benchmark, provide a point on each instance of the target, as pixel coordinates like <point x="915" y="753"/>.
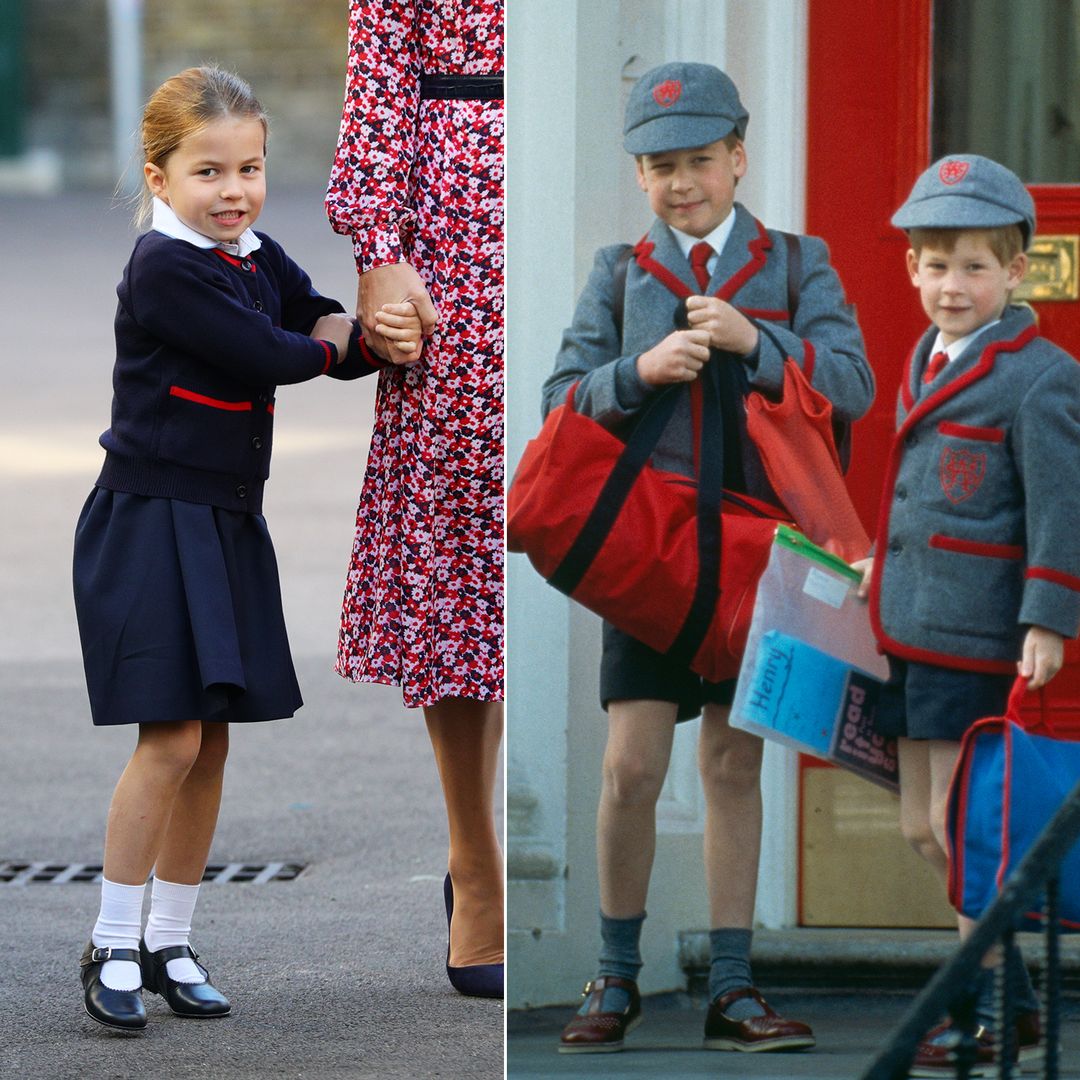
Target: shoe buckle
<point x="100" y="954"/>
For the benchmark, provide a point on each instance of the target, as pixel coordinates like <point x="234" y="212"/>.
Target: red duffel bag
<point x="672" y="563"/>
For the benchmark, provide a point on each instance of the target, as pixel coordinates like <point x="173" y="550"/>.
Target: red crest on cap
<point x="952" y="172"/>
<point x="665" y="94"/>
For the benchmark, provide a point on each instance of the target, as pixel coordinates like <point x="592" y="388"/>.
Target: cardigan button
<point x="256" y="442"/>
<point x="258" y="305"/>
<point x="241" y="491"/>
<point x="895" y="547"/>
<point x="901" y="494"/>
<point x="246" y="264"/>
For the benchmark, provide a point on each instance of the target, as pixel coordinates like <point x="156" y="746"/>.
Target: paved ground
<point x="850" y="1029"/>
<point x="338" y="974"/>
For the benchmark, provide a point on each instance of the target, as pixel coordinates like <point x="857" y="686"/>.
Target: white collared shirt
<point x="716" y="240"/>
<point x="960" y="344"/>
<point x="165" y="221"/>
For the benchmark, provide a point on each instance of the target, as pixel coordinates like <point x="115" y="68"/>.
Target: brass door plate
<point x="1052" y="270"/>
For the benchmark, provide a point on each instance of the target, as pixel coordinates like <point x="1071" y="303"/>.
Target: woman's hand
<point x="392" y="284"/>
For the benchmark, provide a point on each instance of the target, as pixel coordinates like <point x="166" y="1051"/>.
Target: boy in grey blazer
<point x="977" y="571"/>
<point x="709" y="263"/>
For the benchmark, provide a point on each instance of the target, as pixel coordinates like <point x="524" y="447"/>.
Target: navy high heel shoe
<point x="477" y="980"/>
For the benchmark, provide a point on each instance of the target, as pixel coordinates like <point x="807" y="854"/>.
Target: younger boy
<point x="978" y="557"/>
<point x="685" y="126"/>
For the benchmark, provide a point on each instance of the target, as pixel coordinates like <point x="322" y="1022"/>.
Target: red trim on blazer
<point x="963" y="431"/>
<point x="764" y="313"/>
<point x="233" y="261"/>
<point x="974" y="547"/>
<point x="757" y="247"/>
<point x="643" y="257"/>
<point x="1058" y="577"/>
<point x="270" y="408"/>
<point x="214" y="403"/>
<point x="896" y="451"/>
<point x="809" y="356"/>
<point x="329" y="355"/>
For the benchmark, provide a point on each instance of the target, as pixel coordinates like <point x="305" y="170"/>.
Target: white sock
<point x="117" y="926"/>
<point x="171" y="908"/>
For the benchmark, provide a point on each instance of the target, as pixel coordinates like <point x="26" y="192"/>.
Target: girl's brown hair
<point x="183" y="105"/>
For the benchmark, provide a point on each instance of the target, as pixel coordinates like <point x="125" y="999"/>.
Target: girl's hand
<point x="335" y="328"/>
<point x="1043" y="655"/>
<point x="866" y="568"/>
<point x="399" y="326"/>
<point x="392" y="284"/>
<point x="729" y="329"/>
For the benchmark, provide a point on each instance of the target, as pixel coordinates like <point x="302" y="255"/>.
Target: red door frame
<point x="868" y="138"/>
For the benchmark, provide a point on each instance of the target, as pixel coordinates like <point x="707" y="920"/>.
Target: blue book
<point x="806" y="698"/>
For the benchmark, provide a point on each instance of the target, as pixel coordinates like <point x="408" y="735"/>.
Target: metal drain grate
<point x="48" y="873"/>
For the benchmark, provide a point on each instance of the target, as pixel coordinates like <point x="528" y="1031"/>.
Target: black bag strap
<point x="794" y="272"/>
<point x="613" y="495"/>
<point x="618" y="286"/>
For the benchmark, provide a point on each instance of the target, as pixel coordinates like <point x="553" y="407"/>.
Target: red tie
<point x="699" y="256"/>
<point x="937" y="362"/>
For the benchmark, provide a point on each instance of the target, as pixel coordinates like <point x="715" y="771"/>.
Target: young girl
<point x="176" y="585"/>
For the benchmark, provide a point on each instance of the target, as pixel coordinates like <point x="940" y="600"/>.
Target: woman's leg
<point x="466" y="736"/>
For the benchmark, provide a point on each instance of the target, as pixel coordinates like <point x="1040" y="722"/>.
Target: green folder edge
<point x="794" y="540"/>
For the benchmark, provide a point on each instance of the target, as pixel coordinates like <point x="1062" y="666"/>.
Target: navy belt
<point x="462" y="87"/>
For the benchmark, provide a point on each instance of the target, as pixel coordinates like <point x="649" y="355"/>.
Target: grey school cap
<point x="677" y="106"/>
<point x="966" y="191"/>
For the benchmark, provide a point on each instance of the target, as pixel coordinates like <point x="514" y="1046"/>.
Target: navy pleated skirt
<point x="179" y="610"/>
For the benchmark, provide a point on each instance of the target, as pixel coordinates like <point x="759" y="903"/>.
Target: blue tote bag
<point x="1010" y="780"/>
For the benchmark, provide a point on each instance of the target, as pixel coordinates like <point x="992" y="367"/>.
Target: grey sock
<point x="729" y="969"/>
<point x="620" y="954"/>
<point x="1020" y="990"/>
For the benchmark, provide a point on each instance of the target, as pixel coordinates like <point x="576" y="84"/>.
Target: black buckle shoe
<point x="197" y="1000"/>
<point x="122" y="1009"/>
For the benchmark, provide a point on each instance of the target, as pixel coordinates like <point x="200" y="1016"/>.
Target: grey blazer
<point x="979" y="531"/>
<point x="751" y="273"/>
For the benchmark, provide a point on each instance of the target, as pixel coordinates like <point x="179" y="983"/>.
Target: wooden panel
<point x="857" y="868"/>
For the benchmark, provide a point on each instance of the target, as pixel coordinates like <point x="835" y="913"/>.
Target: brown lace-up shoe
<point x="755" y="1033"/>
<point x="596" y="1031"/>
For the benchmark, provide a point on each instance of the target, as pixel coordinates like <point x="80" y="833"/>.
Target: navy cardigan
<point x="202" y="341"/>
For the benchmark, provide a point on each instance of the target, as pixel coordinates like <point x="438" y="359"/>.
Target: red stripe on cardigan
<point x="214" y="403"/>
<point x="963" y="431"/>
<point x="233" y="261"/>
<point x="329" y="355"/>
<point x="975" y="547"/>
<point x="1058" y="577"/>
<point x="764" y="313"/>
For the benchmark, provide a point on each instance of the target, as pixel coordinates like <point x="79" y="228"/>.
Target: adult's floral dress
<point x="421" y="180"/>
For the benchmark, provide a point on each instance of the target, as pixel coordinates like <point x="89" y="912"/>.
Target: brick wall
<point x="291" y="51"/>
